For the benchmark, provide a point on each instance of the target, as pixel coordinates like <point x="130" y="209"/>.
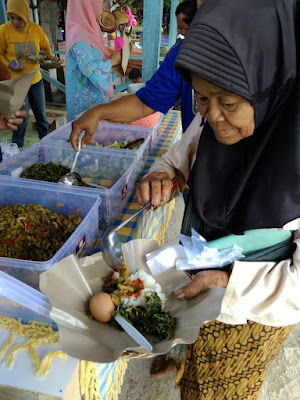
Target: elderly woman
<point x="243" y="171"/>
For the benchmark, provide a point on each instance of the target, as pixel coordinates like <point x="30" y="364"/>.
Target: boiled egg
<point x="102" y="307"/>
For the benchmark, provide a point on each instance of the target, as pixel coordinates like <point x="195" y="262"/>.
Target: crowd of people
<point x="238" y="159"/>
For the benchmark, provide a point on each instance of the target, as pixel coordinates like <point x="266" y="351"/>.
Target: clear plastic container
<point x="106" y="134"/>
<point x="152" y="122"/>
<point x="18" y="300"/>
<point x="60" y="200"/>
<point x="116" y="172"/>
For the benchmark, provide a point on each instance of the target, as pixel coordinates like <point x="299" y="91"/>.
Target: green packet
<point x="252" y="240"/>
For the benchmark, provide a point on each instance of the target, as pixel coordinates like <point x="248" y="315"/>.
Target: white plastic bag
<point x="8" y="149"/>
<point x="200" y="256"/>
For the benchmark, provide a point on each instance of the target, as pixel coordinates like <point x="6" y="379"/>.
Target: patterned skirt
<point x="229" y="362"/>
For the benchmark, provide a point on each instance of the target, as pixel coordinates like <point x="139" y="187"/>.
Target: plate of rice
<point x="72" y="282"/>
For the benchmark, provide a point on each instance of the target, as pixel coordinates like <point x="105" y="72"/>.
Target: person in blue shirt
<point x="88" y="62"/>
<point x="160" y="93"/>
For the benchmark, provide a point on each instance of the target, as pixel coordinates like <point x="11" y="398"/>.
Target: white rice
<point x="150" y="286"/>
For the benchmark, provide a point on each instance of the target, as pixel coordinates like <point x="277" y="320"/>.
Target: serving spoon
<point x="70" y="177"/>
<point x="110" y="242"/>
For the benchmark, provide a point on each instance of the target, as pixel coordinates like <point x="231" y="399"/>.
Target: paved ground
<point x="283" y="376"/>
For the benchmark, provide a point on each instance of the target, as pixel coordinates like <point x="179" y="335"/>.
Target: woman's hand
<point x="157" y="186"/>
<point x="12" y="123"/>
<point x="88" y="122"/>
<point x="202" y="281"/>
<point x="16" y="68"/>
<point x="116" y="59"/>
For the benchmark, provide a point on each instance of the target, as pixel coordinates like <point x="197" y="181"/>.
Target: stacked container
<point x="18" y="300"/>
<point x="117" y="172"/>
<point x="106" y="134"/>
<point x="60" y="200"/>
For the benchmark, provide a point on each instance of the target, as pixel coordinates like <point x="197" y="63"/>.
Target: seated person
<point x="135" y="75"/>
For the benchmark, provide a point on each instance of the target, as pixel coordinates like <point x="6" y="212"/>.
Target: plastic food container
<point x="18" y="300"/>
<point x="152" y="122"/>
<point x="106" y="134"/>
<point x="58" y="199"/>
<point x="116" y="172"/>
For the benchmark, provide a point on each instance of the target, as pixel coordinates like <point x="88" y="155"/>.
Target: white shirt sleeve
<point x="264" y="292"/>
<point x="179" y="159"/>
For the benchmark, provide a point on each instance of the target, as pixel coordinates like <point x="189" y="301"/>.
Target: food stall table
<point x="69" y="378"/>
<point x="152" y="224"/>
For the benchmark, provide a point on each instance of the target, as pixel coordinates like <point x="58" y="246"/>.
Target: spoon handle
<point x="176" y="184"/>
<point x="77" y="154"/>
<point x="133" y="216"/>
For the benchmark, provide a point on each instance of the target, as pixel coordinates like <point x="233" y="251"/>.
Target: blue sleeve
<point x="97" y="71"/>
<point x="164" y="88"/>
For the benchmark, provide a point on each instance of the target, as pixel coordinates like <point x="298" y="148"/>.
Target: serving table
<point x="25" y="349"/>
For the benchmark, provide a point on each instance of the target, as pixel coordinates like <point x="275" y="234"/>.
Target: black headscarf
<point x="251" y="48"/>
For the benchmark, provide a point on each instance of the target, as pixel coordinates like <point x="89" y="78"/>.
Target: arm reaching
<point x="178" y="161"/>
<point x="124" y="110"/>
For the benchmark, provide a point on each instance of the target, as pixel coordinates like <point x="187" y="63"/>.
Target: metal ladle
<point x="110" y="242"/>
<point x="70" y="177"/>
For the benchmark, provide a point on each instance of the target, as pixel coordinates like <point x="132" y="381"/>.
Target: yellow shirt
<point x="18" y="45"/>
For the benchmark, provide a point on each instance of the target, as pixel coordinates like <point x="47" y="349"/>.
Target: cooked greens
<point x="50" y="172"/>
<point x="151" y="321"/>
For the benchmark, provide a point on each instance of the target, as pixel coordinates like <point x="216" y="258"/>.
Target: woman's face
<point x="230" y="116"/>
<point x="181" y="25"/>
<point x="17" y="22"/>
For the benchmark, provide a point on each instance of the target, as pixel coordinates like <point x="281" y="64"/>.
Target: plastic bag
<point x="200" y="256"/>
<point x="8" y="149"/>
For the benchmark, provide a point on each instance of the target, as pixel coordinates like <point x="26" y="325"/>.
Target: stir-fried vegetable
<point x="32" y="232"/>
<point x="150" y="320"/>
<point x="119" y="284"/>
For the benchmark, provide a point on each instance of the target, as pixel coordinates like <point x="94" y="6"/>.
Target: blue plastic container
<point x="106" y="134"/>
<point x="60" y="200"/>
<point x="116" y="172"/>
<point x="18" y="300"/>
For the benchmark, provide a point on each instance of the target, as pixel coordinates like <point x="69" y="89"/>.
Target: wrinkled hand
<point x="157" y="186"/>
<point x="88" y="122"/>
<point x="12" y="123"/>
<point x="202" y="281"/>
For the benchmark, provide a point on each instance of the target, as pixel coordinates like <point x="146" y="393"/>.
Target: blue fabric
<point x="88" y="78"/>
<point x="37" y="101"/>
<point x="166" y="86"/>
